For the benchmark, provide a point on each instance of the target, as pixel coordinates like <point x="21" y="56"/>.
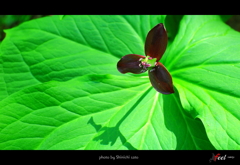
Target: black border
<point x="157" y="156"/>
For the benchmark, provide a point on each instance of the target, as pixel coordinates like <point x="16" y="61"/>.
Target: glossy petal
<point x="161" y="79"/>
<point x="156" y="42"/>
<point x="131" y="63"/>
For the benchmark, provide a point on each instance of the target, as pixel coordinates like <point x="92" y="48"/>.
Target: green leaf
<point x="61" y="16"/>
<point x="55" y="115"/>
<point x="75" y="46"/>
<point x="172" y="26"/>
<point x="204" y="62"/>
<point x="81" y="117"/>
<point x="60" y="88"/>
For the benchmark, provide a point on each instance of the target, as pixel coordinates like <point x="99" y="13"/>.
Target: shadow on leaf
<point x="110" y="134"/>
<point x="186" y="122"/>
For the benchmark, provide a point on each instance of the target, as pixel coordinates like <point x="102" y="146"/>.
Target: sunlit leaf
<point x="60" y="87"/>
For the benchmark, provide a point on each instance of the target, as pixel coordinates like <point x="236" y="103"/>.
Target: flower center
<point x="146" y="63"/>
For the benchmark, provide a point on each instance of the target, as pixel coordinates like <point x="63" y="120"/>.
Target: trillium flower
<point x="155" y="46"/>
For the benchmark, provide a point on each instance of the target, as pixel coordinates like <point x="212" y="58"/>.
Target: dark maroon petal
<point x="156" y="42"/>
<point x="161" y="79"/>
<point x="130" y="63"/>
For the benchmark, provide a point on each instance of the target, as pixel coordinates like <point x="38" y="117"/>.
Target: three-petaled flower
<point x="155" y="46"/>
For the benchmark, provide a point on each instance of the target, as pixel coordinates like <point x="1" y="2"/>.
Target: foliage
<point x="60" y="88"/>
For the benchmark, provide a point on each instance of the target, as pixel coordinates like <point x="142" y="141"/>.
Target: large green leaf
<point x="50" y="49"/>
<point x="60" y="88"/>
<point x="204" y="61"/>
